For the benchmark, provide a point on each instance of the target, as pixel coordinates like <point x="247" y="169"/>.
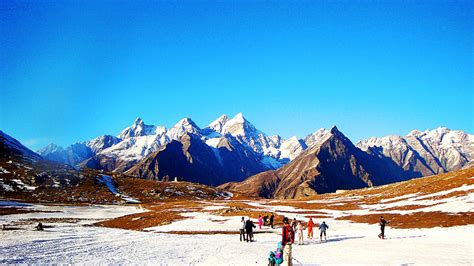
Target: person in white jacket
<point x="300" y="229"/>
<point x="242" y="230"/>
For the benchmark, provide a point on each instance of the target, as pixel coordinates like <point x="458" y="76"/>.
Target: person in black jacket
<point x="249" y="226"/>
<point x="271" y="220"/>
<point x="382" y="223"/>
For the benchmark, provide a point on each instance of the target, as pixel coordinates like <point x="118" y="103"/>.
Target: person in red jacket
<point x="310" y="228"/>
<point x="288" y="238"/>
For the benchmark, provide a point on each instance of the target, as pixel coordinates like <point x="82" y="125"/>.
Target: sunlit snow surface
<point x="348" y="243"/>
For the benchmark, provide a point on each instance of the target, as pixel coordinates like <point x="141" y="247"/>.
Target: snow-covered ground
<point x="348" y="243"/>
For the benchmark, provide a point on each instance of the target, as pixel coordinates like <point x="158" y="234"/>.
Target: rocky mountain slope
<point x="24" y="171"/>
<point x="425" y="153"/>
<point x="191" y="159"/>
<point x="331" y="164"/>
<point x="26" y="176"/>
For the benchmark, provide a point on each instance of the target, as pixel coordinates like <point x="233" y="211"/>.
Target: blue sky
<point x="73" y="70"/>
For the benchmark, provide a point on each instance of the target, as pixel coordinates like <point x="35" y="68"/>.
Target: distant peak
<point x="442" y="129"/>
<point x="415" y="132"/>
<point x="219" y="123"/>
<point x="52" y="145"/>
<point x="335" y="130"/>
<point x="220" y="120"/>
<point x="240" y="117"/>
<point x="223" y="117"/>
<point x="138" y="121"/>
<point x="186" y="120"/>
<point x="50" y="148"/>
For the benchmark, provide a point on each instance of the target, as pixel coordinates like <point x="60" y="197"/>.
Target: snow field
<point x="348" y="243"/>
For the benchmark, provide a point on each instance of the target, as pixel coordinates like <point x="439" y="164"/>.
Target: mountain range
<point x="230" y="149"/>
<point x="234" y="150"/>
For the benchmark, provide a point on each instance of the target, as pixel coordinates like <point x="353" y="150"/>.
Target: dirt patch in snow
<point x="416" y="220"/>
<point x="304" y="212"/>
<point x="453" y="194"/>
<point x="52" y="220"/>
<point x="407" y="207"/>
<point x="339" y="206"/>
<point x="140" y="221"/>
<point x="13" y="210"/>
<point x="154" y="215"/>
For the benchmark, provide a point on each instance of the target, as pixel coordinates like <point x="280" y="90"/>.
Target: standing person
<point x="294" y="224"/>
<point x="242" y="230"/>
<point x="271" y="220"/>
<point x="382" y="223"/>
<point x="323" y="227"/>
<point x="249" y="226"/>
<point x="260" y="222"/>
<point x="288" y="238"/>
<point x="300" y="229"/>
<point x="310" y="228"/>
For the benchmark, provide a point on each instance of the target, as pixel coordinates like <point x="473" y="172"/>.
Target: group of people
<point x="298" y="227"/>
<point x="247" y="226"/>
<point x="288" y="239"/>
<point x="283" y="254"/>
<point x="266" y="220"/>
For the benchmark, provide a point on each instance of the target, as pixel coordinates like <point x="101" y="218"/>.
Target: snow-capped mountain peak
<point x="218" y="124"/>
<point x="139" y="128"/>
<point x="138" y="121"/>
<point x="103" y="142"/>
<point x="239" y="126"/>
<point x="318" y="137"/>
<point x="50" y="148"/>
<point x="429" y="152"/>
<point x="239" y="118"/>
<point x="185" y="125"/>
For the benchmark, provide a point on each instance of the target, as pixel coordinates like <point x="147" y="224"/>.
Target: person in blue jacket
<point x="322" y="228"/>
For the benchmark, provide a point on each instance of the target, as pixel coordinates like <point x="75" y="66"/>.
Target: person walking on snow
<point x="249" y="226"/>
<point x="288" y="238"/>
<point x="260" y="222"/>
<point x="242" y="230"/>
<point x="300" y="229"/>
<point x="310" y="228"/>
<point x="323" y="227"/>
<point x="382" y="223"/>
<point x="271" y="220"/>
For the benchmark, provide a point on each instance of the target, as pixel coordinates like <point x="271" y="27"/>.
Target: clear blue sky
<point x="73" y="70"/>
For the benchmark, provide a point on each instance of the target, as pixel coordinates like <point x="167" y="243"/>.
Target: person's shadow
<point x="342" y="238"/>
<point x="335" y="238"/>
<point x="402" y="237"/>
